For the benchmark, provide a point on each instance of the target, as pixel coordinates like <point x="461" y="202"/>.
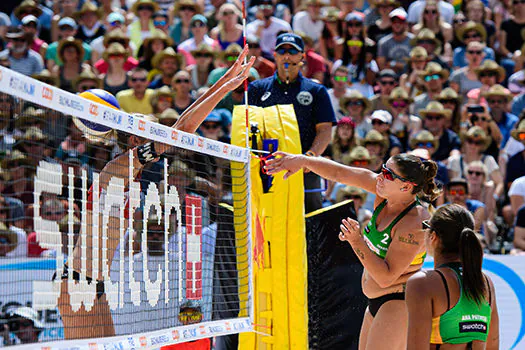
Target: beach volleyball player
<point x="391" y="247"/>
<point x="97" y="322"/>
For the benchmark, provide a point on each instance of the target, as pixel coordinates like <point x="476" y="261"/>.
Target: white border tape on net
<point x="32" y="90"/>
<point x="150" y="340"/>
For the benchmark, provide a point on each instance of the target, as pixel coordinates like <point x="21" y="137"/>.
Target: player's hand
<point x="237" y="68"/>
<point x="291" y="163"/>
<point x="236" y="81"/>
<point x="350" y="230"/>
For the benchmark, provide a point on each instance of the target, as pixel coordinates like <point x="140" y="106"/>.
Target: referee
<point x="313" y="109"/>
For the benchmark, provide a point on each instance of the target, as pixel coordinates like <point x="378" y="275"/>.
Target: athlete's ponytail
<point x="421" y="173"/>
<point x="471" y="256"/>
<point x="454" y="225"/>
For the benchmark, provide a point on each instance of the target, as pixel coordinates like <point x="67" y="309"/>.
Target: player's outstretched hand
<point x="238" y="72"/>
<point x="350" y="230"/>
<point x="291" y="163"/>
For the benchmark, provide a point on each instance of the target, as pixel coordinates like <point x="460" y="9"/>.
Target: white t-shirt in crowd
<point x="453" y="164"/>
<point x="268" y="35"/>
<point x="415" y="10"/>
<point x="302" y="22"/>
<point x="518" y="187"/>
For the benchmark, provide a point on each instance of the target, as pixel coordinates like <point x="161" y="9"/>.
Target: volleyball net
<point x="96" y="254"/>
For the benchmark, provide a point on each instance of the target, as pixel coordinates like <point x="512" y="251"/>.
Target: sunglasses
<point x="459" y="21"/>
<point x="354" y="43"/>
<point x="399" y="104"/>
<point x="446" y="101"/>
<point x="116" y="55"/>
<point x="254" y="46"/>
<point x="425" y="41"/>
<point x="474" y="52"/>
<point x="65" y="28"/>
<point x="434" y="117"/>
<point x="457" y="192"/>
<point x="186" y="8"/>
<point x="391" y="176"/>
<point x="426" y="225"/>
<point x="354" y="24"/>
<point x="83" y="88"/>
<point x="159" y="23"/>
<point x="471" y="36"/>
<point x="4" y="240"/>
<point x="341" y="79"/>
<point x="488" y="74"/>
<point x="387" y="82"/>
<point x="432" y="77"/>
<point x="491" y="101"/>
<point x="475" y="118"/>
<point x="203" y="55"/>
<point x="209" y="126"/>
<point x="115" y="24"/>
<point x="360" y="162"/>
<point x="474" y="172"/>
<point x="290" y="51"/>
<point x="180" y="81"/>
<point x="355" y="103"/>
<point x="231" y="58"/>
<point x="475" y="142"/>
<point x="430" y="12"/>
<point x="138" y="79"/>
<point x="378" y="122"/>
<point x="424" y="145"/>
<point x="49" y="213"/>
<point x="228" y="13"/>
<point x="148" y="8"/>
<point x="18" y="40"/>
<point x="266" y="7"/>
<point x="353" y="197"/>
<point x="198" y="24"/>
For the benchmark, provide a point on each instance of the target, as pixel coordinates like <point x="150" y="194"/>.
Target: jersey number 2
<point x="385" y="238"/>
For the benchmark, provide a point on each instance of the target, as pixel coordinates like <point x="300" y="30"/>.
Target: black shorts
<point x="76" y="277"/>
<point x="375" y="304"/>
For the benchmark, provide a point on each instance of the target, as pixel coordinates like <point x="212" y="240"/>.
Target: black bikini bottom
<point x="375" y="304"/>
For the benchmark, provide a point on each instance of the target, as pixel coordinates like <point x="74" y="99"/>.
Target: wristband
<point x="310" y="153"/>
<point x="146" y="153"/>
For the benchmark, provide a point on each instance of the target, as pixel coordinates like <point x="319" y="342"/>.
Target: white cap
<point x="29" y="18"/>
<point x="399" y="13"/>
<point x="382" y="115"/>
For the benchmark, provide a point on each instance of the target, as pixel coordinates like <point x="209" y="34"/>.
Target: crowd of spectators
<point x="443" y="80"/>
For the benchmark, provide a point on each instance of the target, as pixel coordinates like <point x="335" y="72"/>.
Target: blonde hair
<point x="480" y="164"/>
<point x="225" y="6"/>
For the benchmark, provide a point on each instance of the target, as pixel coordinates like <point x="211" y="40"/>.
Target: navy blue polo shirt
<point x="447" y="142"/>
<point x="311" y="102"/>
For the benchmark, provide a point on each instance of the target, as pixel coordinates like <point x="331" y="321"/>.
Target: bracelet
<point x="146" y="153"/>
<point x="310" y="153"/>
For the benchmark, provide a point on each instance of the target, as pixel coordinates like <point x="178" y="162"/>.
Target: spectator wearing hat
<point x="355" y="105"/>
<point x="424" y="140"/>
<point x="228" y="57"/>
<point x="71" y="54"/>
<point x="161" y="21"/>
<point x="267" y="26"/>
<point x="388" y="80"/>
<point x="264" y="66"/>
<point x="168" y="117"/>
<point x="181" y="85"/>
<point x="31" y="7"/>
<point x="450" y="100"/>
<point x="90" y="25"/>
<point x="73" y="146"/>
<point x="52" y="210"/>
<point x="311" y="102"/>
<point x="381" y="26"/>
<point x="228" y="31"/>
<point x="382" y="122"/>
<point x="30" y="27"/>
<point x="434" y="47"/>
<point x="478" y="12"/>
<point x="458" y="193"/>
<point x="199" y="29"/>
<point x="116" y="78"/>
<point x="475" y="142"/>
<point x="25" y="324"/>
<point x="483" y="119"/>
<point x="117" y="36"/>
<point x="469" y="33"/>
<point x="340" y="87"/>
<point x="183" y="12"/>
<point x="204" y="64"/>
<point x="136" y="99"/>
<point x="358" y="196"/>
<point x="404" y="124"/>
<point x="66" y="9"/>
<point x="143" y="26"/>
<point x="87" y="80"/>
<point x="434" y="117"/>
<point x="21" y="58"/>
<point x="432" y="21"/>
<point x="33" y="143"/>
<point x="157" y="42"/>
<point x="416" y="64"/>
<point x="498" y="99"/>
<point x="66" y="27"/>
<point x="343" y="141"/>
<point x="114" y="21"/>
<point x="393" y="49"/>
<point x="330" y="40"/>
<point x="162" y="100"/>
<point x="20" y="184"/>
<point x="308" y="21"/>
<point x="489" y="74"/>
<point x="416" y="8"/>
<point x="377" y="146"/>
<point x="434" y="77"/>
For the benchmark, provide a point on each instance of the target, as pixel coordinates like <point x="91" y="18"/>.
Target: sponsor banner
<point x="508" y="274"/>
<point x="32" y="90"/>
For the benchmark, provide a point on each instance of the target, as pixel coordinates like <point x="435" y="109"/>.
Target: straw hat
<point x="14" y="156"/>
<point x="449" y="94"/>
<point x="394" y="3"/>
<point x="70" y="41"/>
<point x="357" y="153"/>
<point x="117" y="35"/>
<point x="231" y="50"/>
<point x="27" y="6"/>
<point x="159" y="35"/>
<point x="115" y="49"/>
<point x="204" y="49"/>
<point x="9" y="236"/>
<point x="435" y="107"/>
<point x="470" y="26"/>
<point x="88" y="6"/>
<point x="499" y="91"/>
<point x="46" y="77"/>
<point x="520" y="129"/>
<point x="353" y="95"/>
<point x="29" y="116"/>
<point x="374" y="136"/>
<point x="330" y="14"/>
<point x="350" y="191"/>
<point x="169" y="114"/>
<point x="86" y="74"/>
<point x="399" y="94"/>
<point x="427" y="34"/>
<point x="422" y="137"/>
<point x="434" y="68"/>
<point x="149" y="3"/>
<point x="32" y="134"/>
<point x="167" y="52"/>
<point x="477" y="133"/>
<point x="491" y="66"/>
<point x="186" y="3"/>
<point x="164" y="91"/>
<point x="418" y="52"/>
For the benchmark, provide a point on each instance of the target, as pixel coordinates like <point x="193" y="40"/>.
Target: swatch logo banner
<point x="473" y="326"/>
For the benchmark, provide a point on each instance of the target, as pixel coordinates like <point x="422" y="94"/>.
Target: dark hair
<point x="420" y="172"/>
<point x="454" y="225"/>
